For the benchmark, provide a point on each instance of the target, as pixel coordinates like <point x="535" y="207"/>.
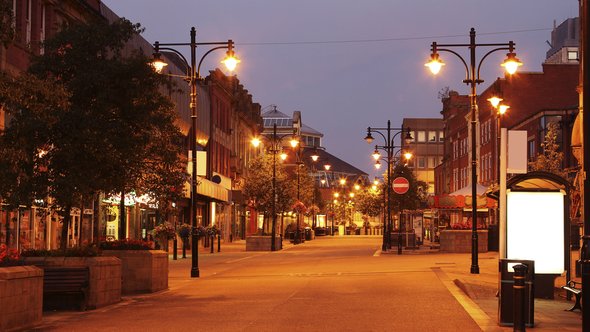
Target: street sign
<point x="400" y="185"/>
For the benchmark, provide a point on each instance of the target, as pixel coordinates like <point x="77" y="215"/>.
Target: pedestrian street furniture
<point x="571" y="288"/>
<point x="66" y="280"/>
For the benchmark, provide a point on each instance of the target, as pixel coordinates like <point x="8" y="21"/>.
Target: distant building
<point x="426" y="146"/>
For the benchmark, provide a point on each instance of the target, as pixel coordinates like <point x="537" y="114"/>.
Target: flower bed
<point x="21" y="297"/>
<point x="460" y="240"/>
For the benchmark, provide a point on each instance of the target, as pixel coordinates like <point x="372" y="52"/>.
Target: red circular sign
<point x="400" y="185"/>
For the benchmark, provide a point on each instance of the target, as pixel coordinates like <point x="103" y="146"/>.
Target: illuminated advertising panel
<point x="535" y="229"/>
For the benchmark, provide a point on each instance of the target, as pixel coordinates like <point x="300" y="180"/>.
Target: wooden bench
<point x="66" y="280"/>
<point x="571" y="287"/>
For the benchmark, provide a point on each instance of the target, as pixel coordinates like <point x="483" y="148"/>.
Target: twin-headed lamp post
<point x="388" y="136"/>
<point x="193" y="75"/>
<point x="472" y="78"/>
<point x="275" y="148"/>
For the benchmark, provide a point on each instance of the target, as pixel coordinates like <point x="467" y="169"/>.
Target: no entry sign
<point x="400" y="185"/>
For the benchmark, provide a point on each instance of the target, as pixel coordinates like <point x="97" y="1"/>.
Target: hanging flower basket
<point x="314" y="209"/>
<point x="164" y="231"/>
<point x="184" y="231"/>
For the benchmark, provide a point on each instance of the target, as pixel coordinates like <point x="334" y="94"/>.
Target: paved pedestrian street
<point x="328" y="284"/>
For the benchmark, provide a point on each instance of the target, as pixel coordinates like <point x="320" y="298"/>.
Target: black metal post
<point x="274" y="188"/>
<point x="473" y="105"/>
<point x="212" y="242"/>
<point x="193" y="146"/>
<point x="175" y="248"/>
<point x="218" y="242"/>
<point x="519" y="297"/>
<point x="184" y="241"/>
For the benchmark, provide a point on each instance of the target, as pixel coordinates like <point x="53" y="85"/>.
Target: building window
<point x="421" y="162"/>
<point x="42" y="32"/>
<point x="532" y="153"/>
<point x="572" y="55"/>
<point x="421" y="136"/>
<point x="441" y="136"/>
<point x="431" y="162"/>
<point x="432" y="136"/>
<point x="28" y="23"/>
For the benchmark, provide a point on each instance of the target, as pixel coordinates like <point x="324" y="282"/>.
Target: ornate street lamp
<point x="275" y="148"/>
<point x="193" y="75"/>
<point x="472" y="78"/>
<point x="388" y="136"/>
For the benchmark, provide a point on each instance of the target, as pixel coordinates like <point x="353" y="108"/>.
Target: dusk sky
<point x="349" y="64"/>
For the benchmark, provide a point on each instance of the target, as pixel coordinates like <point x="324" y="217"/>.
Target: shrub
<point x="127" y="244"/>
<point x="9" y="257"/>
<point x="85" y="251"/>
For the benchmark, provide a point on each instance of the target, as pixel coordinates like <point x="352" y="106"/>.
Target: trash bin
<point x="493" y="238"/>
<point x="506" y="296"/>
<point x="308" y="234"/>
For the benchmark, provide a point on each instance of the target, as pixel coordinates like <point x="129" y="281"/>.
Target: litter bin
<point x="308" y="234"/>
<point x="506" y="296"/>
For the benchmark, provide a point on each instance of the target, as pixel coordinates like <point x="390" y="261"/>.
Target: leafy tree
<point x="258" y="186"/>
<point x="550" y="159"/>
<point x="31" y="103"/>
<point x="369" y="202"/>
<point x="416" y="195"/>
<point x="117" y="132"/>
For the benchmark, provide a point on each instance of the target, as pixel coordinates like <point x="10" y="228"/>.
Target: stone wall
<point x="105" y="276"/>
<point x="21" y="297"/>
<point x="261" y="243"/>
<point x="142" y="270"/>
<point x="460" y="241"/>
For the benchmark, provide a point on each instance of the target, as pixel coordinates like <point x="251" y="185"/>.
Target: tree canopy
<point x="113" y="132"/>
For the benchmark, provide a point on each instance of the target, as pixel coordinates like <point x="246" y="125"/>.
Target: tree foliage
<point x="415" y="197"/>
<point x="550" y="159"/>
<point x="369" y="202"/>
<point x="258" y="185"/>
<point x="116" y="132"/>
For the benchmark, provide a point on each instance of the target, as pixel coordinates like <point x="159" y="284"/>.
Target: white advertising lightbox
<point x="535" y="229"/>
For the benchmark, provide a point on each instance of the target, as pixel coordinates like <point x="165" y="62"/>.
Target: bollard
<point x="519" y="297"/>
<point x="175" y="248"/>
<point x="218" y="242"/>
<point x="212" y="242"/>
<point x="184" y="242"/>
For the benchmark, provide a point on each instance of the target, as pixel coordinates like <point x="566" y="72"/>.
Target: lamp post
<point x="193" y="75"/>
<point x="500" y="111"/>
<point x="388" y="137"/>
<point x="472" y="79"/>
<point x="275" y="148"/>
<point x="327" y="167"/>
<point x="377" y="156"/>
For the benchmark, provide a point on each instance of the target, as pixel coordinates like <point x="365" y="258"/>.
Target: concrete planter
<point x="460" y="241"/>
<point x="262" y="243"/>
<point x="21" y="297"/>
<point x="105" y="276"/>
<point x="143" y="271"/>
